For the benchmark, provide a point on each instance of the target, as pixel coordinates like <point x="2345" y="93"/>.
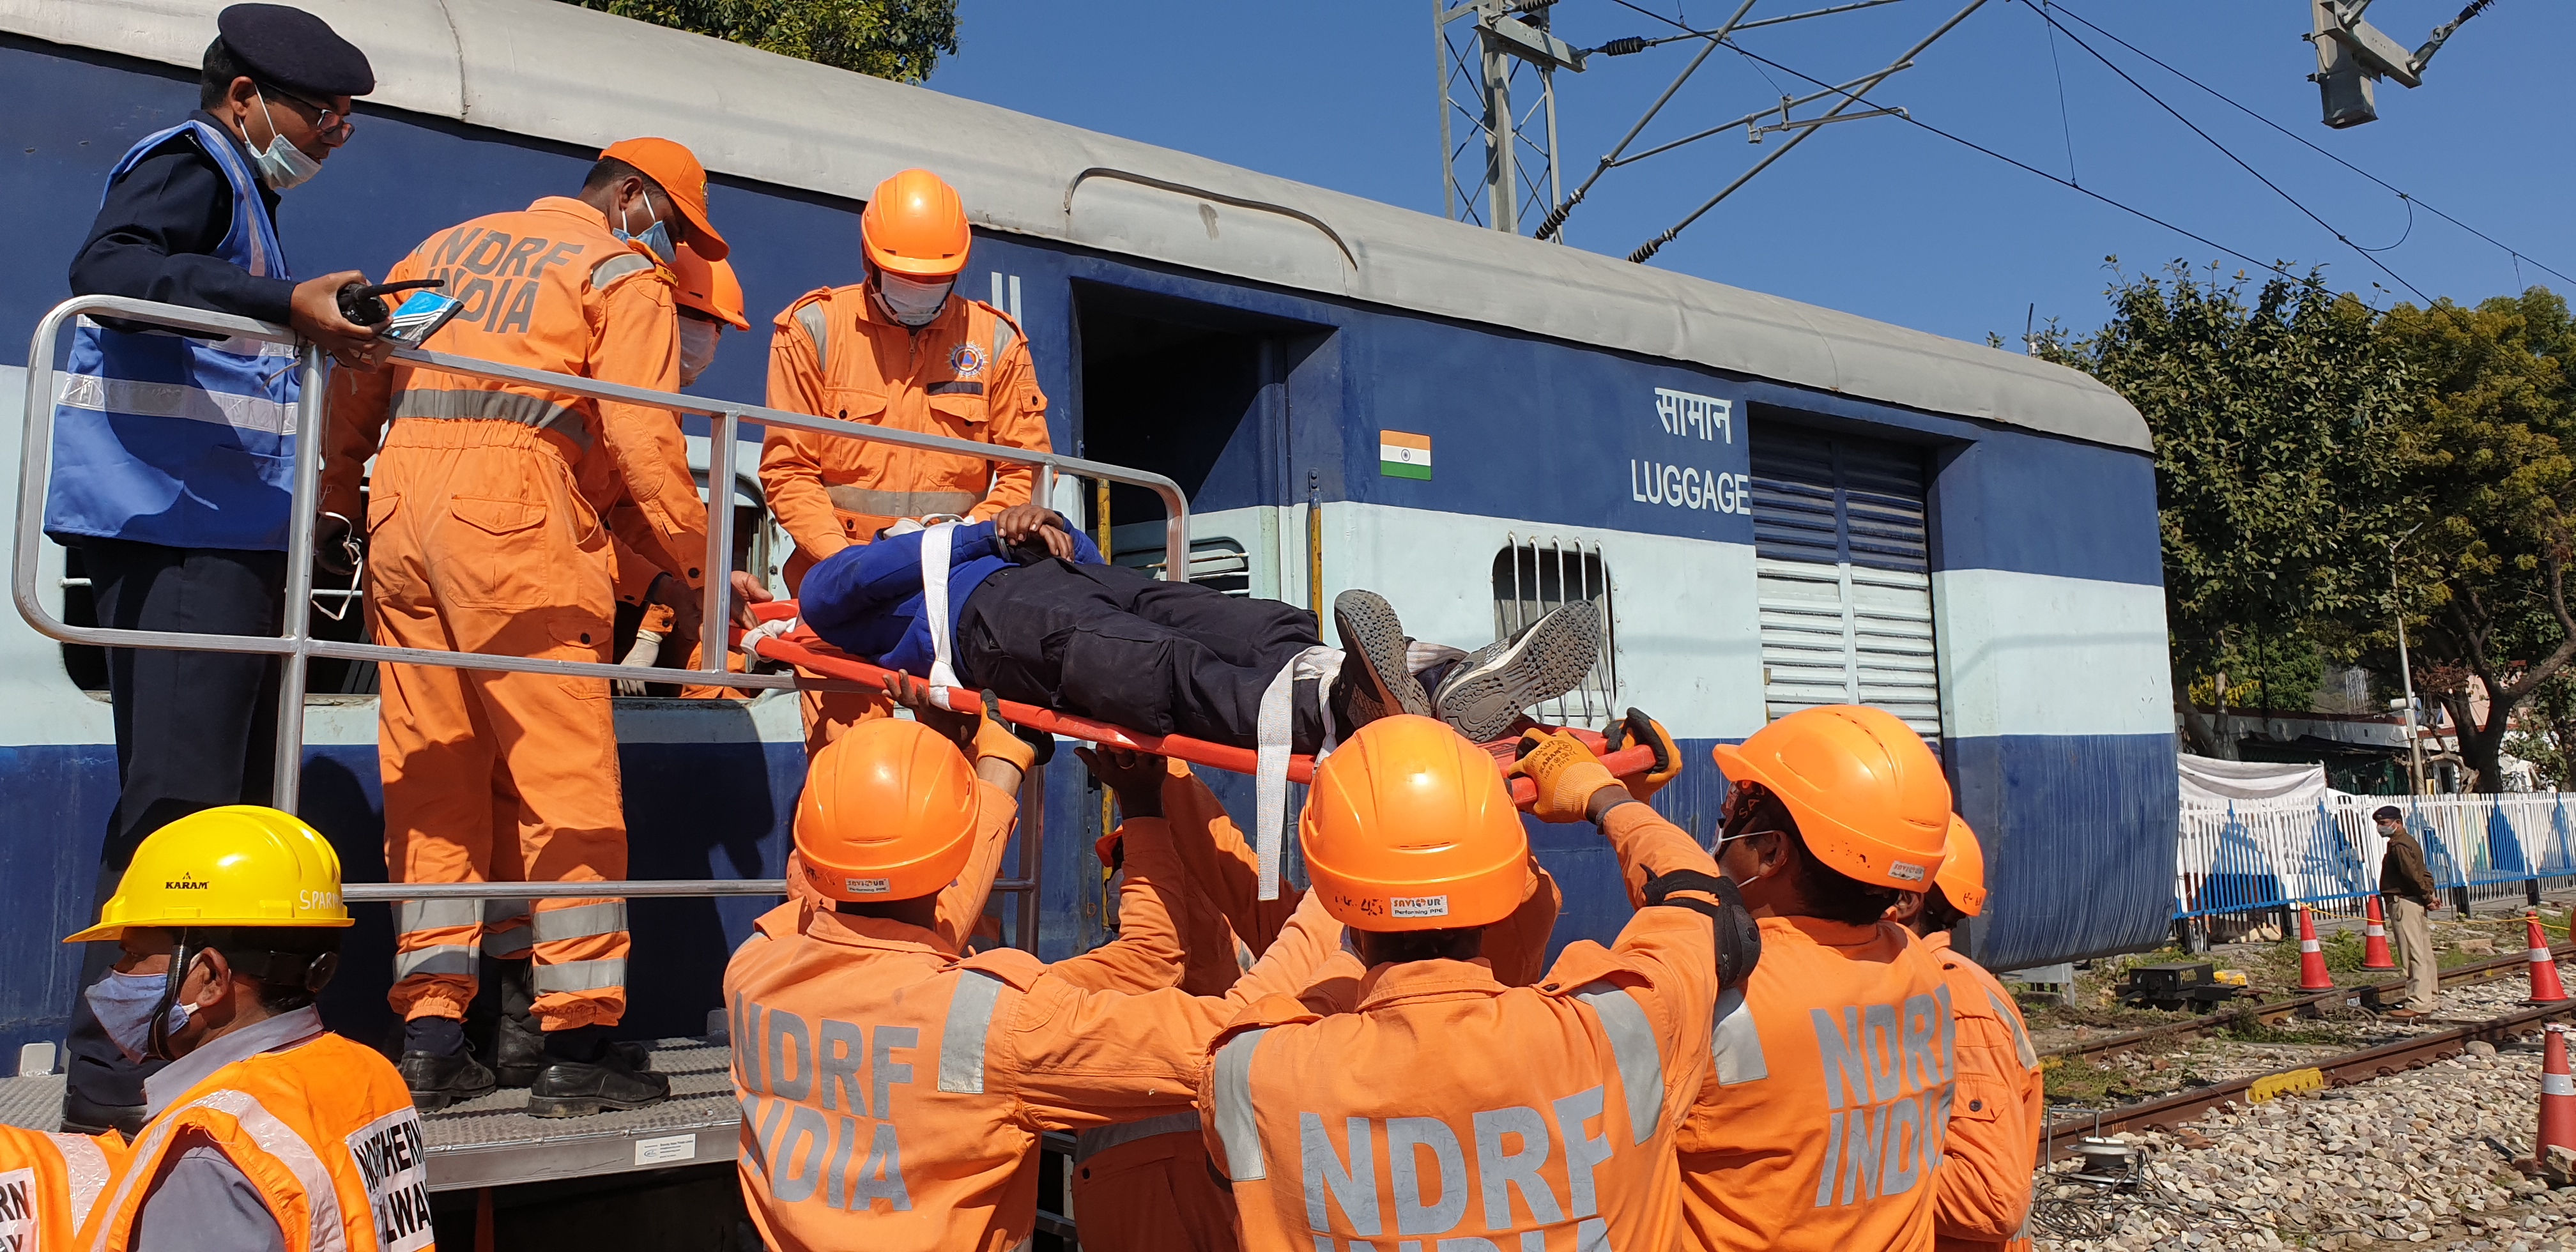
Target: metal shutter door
<point x="1843" y="576"/>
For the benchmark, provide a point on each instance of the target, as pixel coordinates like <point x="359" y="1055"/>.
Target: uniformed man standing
<point x="180" y="521"/>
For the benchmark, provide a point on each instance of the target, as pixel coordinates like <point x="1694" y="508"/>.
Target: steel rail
<point x="2169" y="1112"/>
<point x="2274" y="1010"/>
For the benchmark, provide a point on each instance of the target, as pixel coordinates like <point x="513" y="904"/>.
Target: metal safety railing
<point x="297" y="647"/>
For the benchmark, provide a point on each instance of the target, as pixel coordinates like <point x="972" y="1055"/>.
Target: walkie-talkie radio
<point x="410" y="325"/>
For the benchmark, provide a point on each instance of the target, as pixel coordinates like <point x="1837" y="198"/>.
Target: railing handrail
<point x="297" y="647"/>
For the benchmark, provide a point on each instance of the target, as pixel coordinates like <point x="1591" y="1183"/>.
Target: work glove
<point x="1638" y="729"/>
<point x="1739" y="936"/>
<point x="1566" y="773"/>
<point x="778" y="628"/>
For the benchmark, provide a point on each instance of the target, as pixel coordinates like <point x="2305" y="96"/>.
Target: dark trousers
<point x="1111" y="643"/>
<point x="193" y="730"/>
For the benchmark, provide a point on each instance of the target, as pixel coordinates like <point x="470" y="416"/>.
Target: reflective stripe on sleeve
<point x="2028" y="1055"/>
<point x="1633" y="1050"/>
<point x="875" y="503"/>
<point x="818" y="326"/>
<point x="411" y="915"/>
<point x="961" y="1041"/>
<point x="85" y="1168"/>
<point x="1236" y="1127"/>
<point x="600" y="975"/>
<point x="1736" y="1044"/>
<point x="451" y="960"/>
<point x="581" y="921"/>
<point x="507" y="943"/>
<point x="617" y="266"/>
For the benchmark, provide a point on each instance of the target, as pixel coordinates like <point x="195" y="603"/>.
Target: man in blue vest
<point x="173" y="455"/>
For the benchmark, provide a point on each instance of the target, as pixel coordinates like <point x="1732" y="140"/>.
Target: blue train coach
<point x="1777" y="505"/>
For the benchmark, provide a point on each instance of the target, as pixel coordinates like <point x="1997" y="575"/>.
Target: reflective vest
<point x="1829" y="1087"/>
<point x="187" y="443"/>
<point x="324" y="1130"/>
<point x="49" y="1183"/>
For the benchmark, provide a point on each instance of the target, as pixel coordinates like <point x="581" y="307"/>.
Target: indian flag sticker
<point x="1400" y="455"/>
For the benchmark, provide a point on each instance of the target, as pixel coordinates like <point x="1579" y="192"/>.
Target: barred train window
<point x="1534" y="575"/>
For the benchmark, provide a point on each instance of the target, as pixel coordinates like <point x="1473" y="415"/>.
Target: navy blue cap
<point x="295" y="50"/>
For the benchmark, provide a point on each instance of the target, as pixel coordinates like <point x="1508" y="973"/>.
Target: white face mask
<point x="697" y="347"/>
<point x="283" y="166"/>
<point x="911" y="301"/>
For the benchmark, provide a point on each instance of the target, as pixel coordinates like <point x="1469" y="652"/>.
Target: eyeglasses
<point x="333" y="125"/>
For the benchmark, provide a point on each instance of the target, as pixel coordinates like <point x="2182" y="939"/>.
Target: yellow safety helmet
<point x="239" y="865"/>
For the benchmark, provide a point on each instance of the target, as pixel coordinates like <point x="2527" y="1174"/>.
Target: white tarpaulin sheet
<point x="2208" y="780"/>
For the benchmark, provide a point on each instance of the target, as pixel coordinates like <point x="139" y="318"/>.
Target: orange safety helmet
<point x="889" y="813"/>
<point x="1409" y="827"/>
<point x="915" y="226"/>
<point x="1868" y="797"/>
<point x="708" y="286"/>
<point x="1962" y="876"/>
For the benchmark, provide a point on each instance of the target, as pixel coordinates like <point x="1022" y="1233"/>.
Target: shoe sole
<point x="586" y="1106"/>
<point x="1547" y="661"/>
<point x="433" y="1101"/>
<point x="1368" y="629"/>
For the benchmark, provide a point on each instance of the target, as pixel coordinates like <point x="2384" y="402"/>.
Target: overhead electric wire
<point x="2412" y="202"/>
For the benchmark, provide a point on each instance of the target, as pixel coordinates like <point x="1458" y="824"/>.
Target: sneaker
<point x="1483" y="695"/>
<point x="622" y="1078"/>
<point x="1380" y="684"/>
<point x="441" y="1079"/>
<point x="518" y="1045"/>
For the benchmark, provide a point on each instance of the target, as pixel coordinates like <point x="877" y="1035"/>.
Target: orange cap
<point x="677" y="170"/>
<point x="1868" y="797"/>
<point x="708" y="286"/>
<point x="1962" y="876"/>
<point x="889" y="813"/>
<point x="1409" y="827"/>
<point x="915" y="226"/>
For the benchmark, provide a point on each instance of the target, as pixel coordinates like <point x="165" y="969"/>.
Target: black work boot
<point x="518" y="1046"/>
<point x="84" y="1116"/>
<point x="1483" y="695"/>
<point x="1375" y="681"/>
<point x="439" y="1066"/>
<point x="586" y="1074"/>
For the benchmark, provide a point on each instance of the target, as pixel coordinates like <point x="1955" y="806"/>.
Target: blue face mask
<point x="124" y="1004"/>
<point x="656" y="238"/>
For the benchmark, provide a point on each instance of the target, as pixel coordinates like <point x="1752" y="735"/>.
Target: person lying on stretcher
<point x="1023" y="606"/>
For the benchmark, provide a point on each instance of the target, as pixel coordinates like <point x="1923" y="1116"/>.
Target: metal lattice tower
<point x="1498" y="63"/>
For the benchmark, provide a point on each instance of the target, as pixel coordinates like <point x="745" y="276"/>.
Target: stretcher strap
<point x="1272" y="740"/>
<point x="934" y="599"/>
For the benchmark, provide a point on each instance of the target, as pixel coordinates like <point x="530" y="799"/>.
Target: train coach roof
<point x="556" y="71"/>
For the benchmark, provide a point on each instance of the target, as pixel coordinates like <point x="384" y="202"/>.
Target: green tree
<point x="2276" y="414"/>
<point x="898" y="39"/>
<point x="2489" y="459"/>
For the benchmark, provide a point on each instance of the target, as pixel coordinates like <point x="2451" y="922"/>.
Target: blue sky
<point x="1877" y="217"/>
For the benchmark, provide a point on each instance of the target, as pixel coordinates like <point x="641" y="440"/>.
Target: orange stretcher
<point x="802" y="648"/>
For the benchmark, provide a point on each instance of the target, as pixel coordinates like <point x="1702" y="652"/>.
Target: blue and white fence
<point x="2248" y="856"/>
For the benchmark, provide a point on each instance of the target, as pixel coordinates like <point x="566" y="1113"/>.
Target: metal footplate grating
<point x="492" y="1141"/>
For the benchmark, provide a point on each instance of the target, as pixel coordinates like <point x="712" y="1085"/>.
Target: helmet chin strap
<point x="157" y="1046"/>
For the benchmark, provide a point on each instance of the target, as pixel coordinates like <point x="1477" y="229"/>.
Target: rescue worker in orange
<point x="893" y="1089"/>
<point x="1146" y="1186"/>
<point x="50" y="1182"/>
<point x="485" y="524"/>
<point x="2000" y="1106"/>
<point x="1820" y="1125"/>
<point x="903" y="350"/>
<point x="267" y="1131"/>
<point x="1444" y="1107"/>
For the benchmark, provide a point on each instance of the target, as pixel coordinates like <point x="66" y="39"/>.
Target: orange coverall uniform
<point x="1996" y="1115"/>
<point x="1450" y="1109"/>
<point x="49" y="1183"/>
<point x="967" y="375"/>
<point x="894" y="1091"/>
<point x="1146" y="1186"/>
<point x="1819" y="1128"/>
<point x="485" y="534"/>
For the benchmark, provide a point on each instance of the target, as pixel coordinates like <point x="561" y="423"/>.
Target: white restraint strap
<point x="1271" y="745"/>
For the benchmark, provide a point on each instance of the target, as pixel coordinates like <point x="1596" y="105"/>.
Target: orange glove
<point x="1566" y="773"/>
<point x="994" y="741"/>
<point x="1635" y="730"/>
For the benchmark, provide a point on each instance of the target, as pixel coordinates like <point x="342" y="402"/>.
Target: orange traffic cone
<point x="2374" y="939"/>
<point x="2544" y="966"/>
<point x="2312" y="959"/>
<point x="2557" y="1098"/>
